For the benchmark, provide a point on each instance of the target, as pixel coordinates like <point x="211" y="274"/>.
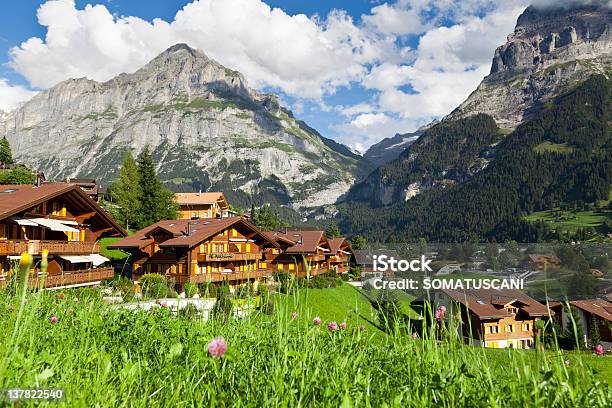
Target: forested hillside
<point x="563" y="155"/>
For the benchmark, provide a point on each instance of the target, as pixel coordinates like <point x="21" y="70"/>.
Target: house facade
<point x="201" y="250"/>
<point x="590" y="311"/>
<point x="339" y="255"/>
<point x="309" y="252"/>
<point x="62" y="219"/>
<point x="493" y="318"/>
<point x="203" y="205"/>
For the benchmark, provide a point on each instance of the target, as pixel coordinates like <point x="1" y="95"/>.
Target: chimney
<point x="40" y="179"/>
<point x="200" y="193"/>
<point x="188" y="228"/>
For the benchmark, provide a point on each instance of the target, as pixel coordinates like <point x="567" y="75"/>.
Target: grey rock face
<point x="204" y="125"/>
<point x="549" y="52"/>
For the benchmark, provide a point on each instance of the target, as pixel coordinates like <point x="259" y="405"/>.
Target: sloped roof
<point x="306" y="241"/>
<point x="17" y="198"/>
<point x="482" y="302"/>
<point x="277" y="236"/>
<point x="335" y="244"/>
<point x="599" y="307"/>
<point x="201" y="198"/>
<point x="200" y="230"/>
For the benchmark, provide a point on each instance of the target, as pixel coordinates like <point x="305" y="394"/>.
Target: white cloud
<point x="361" y="131"/>
<point x="355" y="109"/>
<point x="307" y="58"/>
<point x="302" y="56"/>
<point x="13" y="95"/>
<point x="449" y="64"/>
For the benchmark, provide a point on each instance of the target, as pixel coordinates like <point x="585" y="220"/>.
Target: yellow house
<point x="202" y="205"/>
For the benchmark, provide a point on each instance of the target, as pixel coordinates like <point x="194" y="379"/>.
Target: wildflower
<point x="439" y="315"/>
<point x="362" y="328"/>
<point x="316" y="320"/>
<point x="332" y="326"/>
<point x="567" y="362"/>
<point x="599" y="350"/>
<point x="414" y="336"/>
<point x="294" y="315"/>
<point x="217" y="347"/>
<point x="61" y="296"/>
<point x="53" y="319"/>
<point x="343" y="325"/>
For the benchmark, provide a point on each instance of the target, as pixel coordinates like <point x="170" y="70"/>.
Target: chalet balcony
<point x="68" y="278"/>
<point x="315" y="257"/>
<point x="16" y="247"/>
<point x="230" y="276"/>
<point x="229" y="256"/>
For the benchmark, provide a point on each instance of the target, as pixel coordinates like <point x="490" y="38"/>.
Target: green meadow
<point x="105" y="356"/>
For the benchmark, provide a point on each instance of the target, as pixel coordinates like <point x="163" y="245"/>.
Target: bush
<point x="154" y="285"/>
<point x="245" y="291"/>
<point x="190" y="289"/>
<point x="345" y="277"/>
<point x="125" y="286"/>
<point x="208" y="290"/>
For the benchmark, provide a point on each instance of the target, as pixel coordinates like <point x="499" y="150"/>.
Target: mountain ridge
<point x="205" y="127"/>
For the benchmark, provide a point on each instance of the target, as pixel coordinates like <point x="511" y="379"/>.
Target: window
<point x="510" y="328"/>
<point x="493" y="329"/>
<point x="234" y="233"/>
<point x="248" y="248"/>
<point x="492" y="344"/>
<point x="526" y="327"/>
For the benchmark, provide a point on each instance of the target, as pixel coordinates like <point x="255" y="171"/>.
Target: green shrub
<point x="154" y="285"/>
<point x="190" y="289"/>
<point x="208" y="290"/>
<point x="345" y="277"/>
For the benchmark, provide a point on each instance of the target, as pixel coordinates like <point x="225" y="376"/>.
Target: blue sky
<point x="357" y="71"/>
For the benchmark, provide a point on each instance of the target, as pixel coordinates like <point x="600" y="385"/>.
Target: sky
<point x="356" y="70"/>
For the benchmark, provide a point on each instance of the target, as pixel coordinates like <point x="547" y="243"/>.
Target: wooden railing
<point x="66" y="279"/>
<point x="231" y="276"/>
<point x="16" y="247"/>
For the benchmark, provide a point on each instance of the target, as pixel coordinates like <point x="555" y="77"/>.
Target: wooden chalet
<point x="339" y="255"/>
<point x="203" y="205"/>
<point x="309" y="248"/>
<point x="60" y="218"/>
<point x="590" y="311"/>
<point x="89" y="186"/>
<point x="200" y="250"/>
<point x="494" y="318"/>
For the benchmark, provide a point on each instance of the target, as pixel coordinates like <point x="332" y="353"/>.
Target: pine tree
<point x="267" y="219"/>
<point x="126" y="192"/>
<point x="156" y="201"/>
<point x="6" y="156"/>
<point x="359" y="242"/>
<point x="594" y="332"/>
<point x="332" y="230"/>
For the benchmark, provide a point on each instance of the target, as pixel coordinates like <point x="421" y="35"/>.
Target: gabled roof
<point x="336" y="244"/>
<point x="17" y="198"/>
<point x="599" y="307"/>
<point x="306" y="241"/>
<point x="201" y="198"/>
<point x="188" y="233"/>
<point x="488" y="303"/>
<point x="278" y="237"/>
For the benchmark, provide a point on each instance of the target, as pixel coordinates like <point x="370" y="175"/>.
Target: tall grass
<point x="113" y="357"/>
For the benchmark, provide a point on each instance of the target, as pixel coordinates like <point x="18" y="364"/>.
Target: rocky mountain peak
<point x="551" y="49"/>
<point x="205" y="126"/>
